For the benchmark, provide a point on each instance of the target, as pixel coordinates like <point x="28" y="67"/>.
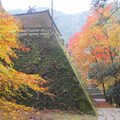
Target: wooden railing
<point x="109" y="99"/>
<point x="39" y="30"/>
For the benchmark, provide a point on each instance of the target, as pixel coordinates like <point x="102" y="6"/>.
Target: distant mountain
<point x="68" y="24"/>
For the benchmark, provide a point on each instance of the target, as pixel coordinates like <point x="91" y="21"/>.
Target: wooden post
<point x="39" y="31"/>
<point x="52" y="16"/>
<point x="117" y="96"/>
<point x="28" y="31"/>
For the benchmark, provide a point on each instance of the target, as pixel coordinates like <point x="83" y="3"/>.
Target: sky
<point x="65" y="6"/>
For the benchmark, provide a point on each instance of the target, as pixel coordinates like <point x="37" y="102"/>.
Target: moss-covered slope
<point x="47" y="59"/>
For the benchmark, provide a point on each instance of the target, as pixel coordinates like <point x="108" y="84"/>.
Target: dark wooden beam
<point x="52" y="16"/>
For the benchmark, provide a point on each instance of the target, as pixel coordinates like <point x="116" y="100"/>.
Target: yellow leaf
<point x="5" y="114"/>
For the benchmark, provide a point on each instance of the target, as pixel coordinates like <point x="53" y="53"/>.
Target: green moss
<point x="47" y="59"/>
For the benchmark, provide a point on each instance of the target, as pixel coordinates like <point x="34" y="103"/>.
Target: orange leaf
<point x="46" y="88"/>
<point x="23" y="49"/>
<point x="44" y="82"/>
<point x="16" y="86"/>
<point x="41" y="83"/>
<point x="28" y="49"/>
<point x="32" y="82"/>
<point x="19" y="48"/>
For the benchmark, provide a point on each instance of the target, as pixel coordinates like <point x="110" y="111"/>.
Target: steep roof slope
<point x="37" y="19"/>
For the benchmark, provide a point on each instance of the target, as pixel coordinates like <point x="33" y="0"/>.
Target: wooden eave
<point x="36" y="19"/>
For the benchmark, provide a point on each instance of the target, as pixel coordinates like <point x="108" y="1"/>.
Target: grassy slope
<point x="47" y="115"/>
<point x="47" y="59"/>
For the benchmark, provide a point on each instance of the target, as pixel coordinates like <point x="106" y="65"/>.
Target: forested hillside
<point x="68" y="24"/>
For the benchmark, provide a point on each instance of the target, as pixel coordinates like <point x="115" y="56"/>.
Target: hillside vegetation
<point x="47" y="59"/>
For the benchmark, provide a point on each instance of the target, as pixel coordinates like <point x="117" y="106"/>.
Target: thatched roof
<point x="37" y="19"/>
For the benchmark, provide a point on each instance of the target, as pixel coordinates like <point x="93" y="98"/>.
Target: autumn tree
<point x="98" y="3"/>
<point x="97" y="44"/>
<point x="12" y="82"/>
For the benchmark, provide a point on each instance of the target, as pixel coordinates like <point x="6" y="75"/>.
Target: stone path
<point x="105" y="111"/>
<point x="108" y="113"/>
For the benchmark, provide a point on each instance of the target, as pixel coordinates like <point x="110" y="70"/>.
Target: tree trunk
<point x="119" y="94"/>
<point x="118" y="14"/>
<point x="104" y="91"/>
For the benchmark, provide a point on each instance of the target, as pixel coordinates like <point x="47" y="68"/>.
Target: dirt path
<point x="101" y="103"/>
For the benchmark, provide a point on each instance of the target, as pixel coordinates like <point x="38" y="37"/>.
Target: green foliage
<point x="114" y="92"/>
<point x="101" y="70"/>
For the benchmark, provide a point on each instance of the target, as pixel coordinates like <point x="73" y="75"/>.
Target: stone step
<point x="98" y="96"/>
<point x="100" y="100"/>
<point x="94" y="90"/>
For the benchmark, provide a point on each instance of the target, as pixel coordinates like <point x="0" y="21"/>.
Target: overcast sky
<point x="66" y="6"/>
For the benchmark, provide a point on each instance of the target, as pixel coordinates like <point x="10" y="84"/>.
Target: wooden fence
<point x="39" y="31"/>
